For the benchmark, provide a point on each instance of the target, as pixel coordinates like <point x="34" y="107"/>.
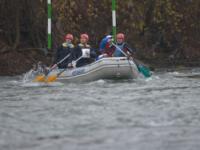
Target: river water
<point x="159" y="113"/>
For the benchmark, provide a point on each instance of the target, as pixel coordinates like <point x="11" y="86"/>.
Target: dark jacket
<point x="77" y="53"/>
<point x="63" y="51"/>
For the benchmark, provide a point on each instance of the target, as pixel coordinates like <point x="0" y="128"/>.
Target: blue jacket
<point x="123" y="47"/>
<point x="103" y="42"/>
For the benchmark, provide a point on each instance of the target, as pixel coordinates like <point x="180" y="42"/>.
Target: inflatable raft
<point x="105" y="68"/>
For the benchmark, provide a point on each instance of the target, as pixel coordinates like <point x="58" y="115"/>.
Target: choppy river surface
<point x="159" y="113"/>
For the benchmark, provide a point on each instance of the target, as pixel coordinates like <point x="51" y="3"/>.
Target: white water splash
<point x="174" y="73"/>
<point x="27" y="81"/>
<point x="28" y="77"/>
<point x="41" y="84"/>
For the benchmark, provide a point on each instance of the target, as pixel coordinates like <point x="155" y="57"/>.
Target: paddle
<point x="141" y="68"/>
<point x="41" y="78"/>
<point x="53" y="78"/>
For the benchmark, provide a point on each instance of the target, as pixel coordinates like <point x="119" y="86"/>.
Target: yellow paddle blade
<point x="51" y="78"/>
<point x="39" y="78"/>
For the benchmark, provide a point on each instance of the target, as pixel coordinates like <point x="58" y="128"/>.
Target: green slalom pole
<point x="114" y="19"/>
<point x="49" y="6"/>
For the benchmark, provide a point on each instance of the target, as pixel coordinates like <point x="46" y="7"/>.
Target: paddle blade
<point x="144" y="70"/>
<point x="51" y="78"/>
<point x="39" y="78"/>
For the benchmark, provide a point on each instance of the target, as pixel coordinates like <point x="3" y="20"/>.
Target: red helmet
<point x="120" y="36"/>
<point x="69" y="36"/>
<point x="85" y="36"/>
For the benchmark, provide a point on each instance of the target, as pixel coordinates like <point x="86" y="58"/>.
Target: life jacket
<point x="117" y="52"/>
<point x="79" y="52"/>
<point x="84" y="46"/>
<point x="70" y="45"/>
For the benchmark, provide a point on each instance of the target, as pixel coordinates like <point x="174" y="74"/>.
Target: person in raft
<point x="109" y="49"/>
<point x="121" y="47"/>
<point x="106" y="48"/>
<point x="65" y="49"/>
<point x="82" y="53"/>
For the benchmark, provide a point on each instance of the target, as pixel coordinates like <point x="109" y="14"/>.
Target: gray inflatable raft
<point x="105" y="68"/>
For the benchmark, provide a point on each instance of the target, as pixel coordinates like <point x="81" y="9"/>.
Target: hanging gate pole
<point x="49" y="7"/>
<point x="114" y="19"/>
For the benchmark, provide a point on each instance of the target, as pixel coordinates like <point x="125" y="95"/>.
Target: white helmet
<point x="109" y="36"/>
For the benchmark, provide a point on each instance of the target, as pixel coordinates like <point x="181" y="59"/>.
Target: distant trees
<point x="164" y="26"/>
<point x="23" y="23"/>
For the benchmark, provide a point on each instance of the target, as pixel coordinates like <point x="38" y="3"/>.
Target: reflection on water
<point x="158" y="113"/>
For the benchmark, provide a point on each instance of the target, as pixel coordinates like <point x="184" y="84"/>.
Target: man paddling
<point x="108" y="49"/>
<point x="123" y="46"/>
<point x="65" y="49"/>
<point x="83" y="54"/>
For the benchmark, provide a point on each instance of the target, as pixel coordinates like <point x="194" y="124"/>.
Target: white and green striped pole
<point x="114" y="19"/>
<point x="49" y="7"/>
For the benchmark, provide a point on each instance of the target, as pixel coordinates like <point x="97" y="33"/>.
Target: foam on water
<point x="41" y="84"/>
<point x="98" y="82"/>
<point x="27" y="77"/>
<point x="27" y="81"/>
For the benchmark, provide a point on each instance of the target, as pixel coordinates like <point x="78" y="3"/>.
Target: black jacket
<point x="63" y="51"/>
<point x="77" y="53"/>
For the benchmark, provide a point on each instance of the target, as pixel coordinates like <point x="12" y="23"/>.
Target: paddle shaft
<point x="58" y="74"/>
<point x="55" y="65"/>
<point x="63" y="59"/>
<point x="120" y="49"/>
<point x="135" y="60"/>
<point x="42" y="77"/>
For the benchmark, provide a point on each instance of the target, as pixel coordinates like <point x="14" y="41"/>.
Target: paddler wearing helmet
<point x="83" y="54"/>
<point x="122" y="45"/>
<point x="65" y="49"/>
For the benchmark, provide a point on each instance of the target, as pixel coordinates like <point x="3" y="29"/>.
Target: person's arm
<point x="71" y="57"/>
<point x="75" y="53"/>
<point x="132" y="51"/>
<point x="58" y="54"/>
<point x="93" y="54"/>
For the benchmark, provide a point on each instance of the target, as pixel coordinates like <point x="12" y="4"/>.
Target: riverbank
<point x="19" y="62"/>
